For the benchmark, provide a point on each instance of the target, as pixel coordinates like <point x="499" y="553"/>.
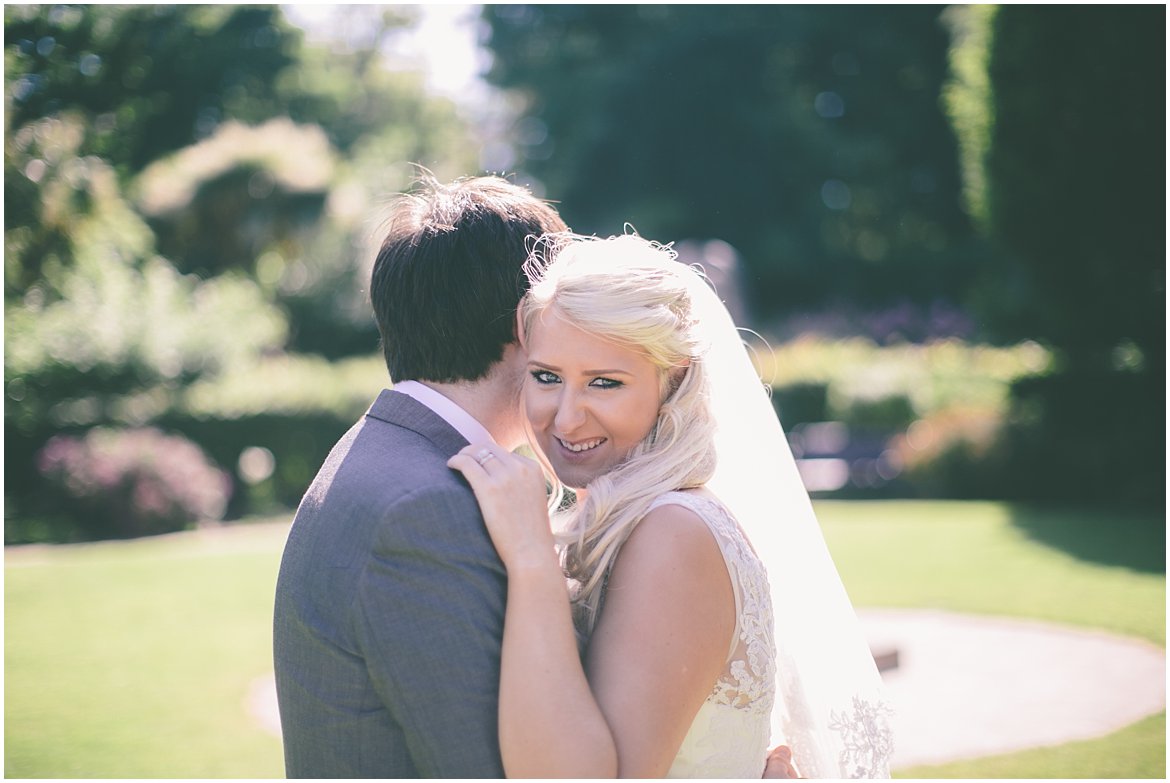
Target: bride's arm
<point x="662" y="639"/>
<point x="661" y="642"/>
<point x="550" y="724"/>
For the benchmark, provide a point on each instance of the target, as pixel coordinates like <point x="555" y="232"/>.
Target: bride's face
<point x="589" y="401"/>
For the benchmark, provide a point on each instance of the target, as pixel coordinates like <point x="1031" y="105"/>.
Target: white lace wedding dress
<point x="729" y="736"/>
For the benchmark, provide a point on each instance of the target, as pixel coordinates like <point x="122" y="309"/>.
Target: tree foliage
<point x="150" y="77"/>
<point x="186" y="191"/>
<point x="1076" y="177"/>
<point x="810" y="138"/>
<point x="1061" y="113"/>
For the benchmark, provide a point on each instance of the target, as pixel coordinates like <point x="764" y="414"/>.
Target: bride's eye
<point x="605" y="383"/>
<point x="544" y="377"/>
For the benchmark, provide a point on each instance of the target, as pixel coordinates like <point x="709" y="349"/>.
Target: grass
<point x="134" y="659"/>
<point x="1137" y="751"/>
<point x="1077" y="567"/>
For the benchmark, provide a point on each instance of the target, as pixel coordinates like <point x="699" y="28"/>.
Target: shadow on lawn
<point x="1130" y="539"/>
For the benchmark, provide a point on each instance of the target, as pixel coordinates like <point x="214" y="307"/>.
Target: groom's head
<point x="448" y="277"/>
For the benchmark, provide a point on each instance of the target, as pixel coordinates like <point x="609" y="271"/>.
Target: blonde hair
<point x="635" y="293"/>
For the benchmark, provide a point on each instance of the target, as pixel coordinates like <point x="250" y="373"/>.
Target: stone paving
<point x="969" y="686"/>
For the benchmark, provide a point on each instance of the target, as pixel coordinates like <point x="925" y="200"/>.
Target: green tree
<point x="810" y="138"/>
<point x="190" y="106"/>
<point x="187" y="191"/>
<point x="152" y="78"/>
<point x="291" y="202"/>
<point x="115" y="334"/>
<point x="124" y="85"/>
<point x="1076" y="176"/>
<point x="1061" y="113"/>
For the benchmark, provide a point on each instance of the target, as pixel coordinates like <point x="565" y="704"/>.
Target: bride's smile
<point x="590" y="401"/>
<point x="577" y="448"/>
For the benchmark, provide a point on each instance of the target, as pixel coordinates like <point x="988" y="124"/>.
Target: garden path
<point x="968" y="686"/>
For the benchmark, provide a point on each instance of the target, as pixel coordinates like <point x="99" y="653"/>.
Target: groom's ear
<point x="520" y="330"/>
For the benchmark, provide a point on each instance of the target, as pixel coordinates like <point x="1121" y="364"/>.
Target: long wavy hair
<point x="635" y="293"/>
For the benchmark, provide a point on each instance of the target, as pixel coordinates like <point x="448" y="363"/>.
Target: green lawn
<point x="134" y="659"/>
<point x="1081" y="568"/>
<point x="1137" y="751"/>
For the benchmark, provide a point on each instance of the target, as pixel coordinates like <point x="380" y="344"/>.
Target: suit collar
<point x="402" y="411"/>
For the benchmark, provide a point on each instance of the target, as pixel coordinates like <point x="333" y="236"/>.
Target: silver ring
<point x="484" y="456"/>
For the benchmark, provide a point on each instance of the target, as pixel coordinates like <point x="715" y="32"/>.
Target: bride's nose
<point x="570" y="412"/>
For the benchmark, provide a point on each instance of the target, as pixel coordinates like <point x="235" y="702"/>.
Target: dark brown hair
<point x="448" y="277"/>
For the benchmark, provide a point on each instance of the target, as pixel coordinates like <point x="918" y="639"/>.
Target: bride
<point x="688" y="532"/>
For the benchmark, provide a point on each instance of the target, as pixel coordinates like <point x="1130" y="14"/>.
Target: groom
<point x="390" y="600"/>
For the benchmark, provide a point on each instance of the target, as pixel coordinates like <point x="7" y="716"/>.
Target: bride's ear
<point x="676" y="375"/>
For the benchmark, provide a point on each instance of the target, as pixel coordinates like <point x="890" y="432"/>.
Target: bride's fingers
<point x="482" y="466"/>
<point x="480" y="455"/>
<point x="470" y="467"/>
<point x="491" y="469"/>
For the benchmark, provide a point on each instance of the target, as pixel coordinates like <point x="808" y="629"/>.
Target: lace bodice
<point x="730" y="734"/>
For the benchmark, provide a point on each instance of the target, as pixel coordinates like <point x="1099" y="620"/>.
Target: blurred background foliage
<point x="947" y="222"/>
<point x="808" y="137"/>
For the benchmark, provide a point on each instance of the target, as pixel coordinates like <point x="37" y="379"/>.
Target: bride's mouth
<point x="581" y="447"/>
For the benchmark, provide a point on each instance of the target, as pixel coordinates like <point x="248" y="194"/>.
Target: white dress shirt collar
<point x="463" y="422"/>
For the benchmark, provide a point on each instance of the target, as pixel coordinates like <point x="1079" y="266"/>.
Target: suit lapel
<point x="403" y="411"/>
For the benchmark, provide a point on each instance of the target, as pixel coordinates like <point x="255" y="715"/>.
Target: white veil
<point x="830" y="707"/>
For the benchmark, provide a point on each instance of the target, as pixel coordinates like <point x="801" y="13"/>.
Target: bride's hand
<point x="513" y="498"/>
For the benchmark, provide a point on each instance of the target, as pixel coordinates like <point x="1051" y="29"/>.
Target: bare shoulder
<point x="669" y="607"/>
<point x="663" y="637"/>
<point x="670" y="539"/>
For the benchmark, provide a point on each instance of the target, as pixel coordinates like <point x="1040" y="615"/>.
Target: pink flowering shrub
<point x="134" y="482"/>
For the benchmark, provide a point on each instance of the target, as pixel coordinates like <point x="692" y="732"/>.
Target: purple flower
<point x="135" y="481"/>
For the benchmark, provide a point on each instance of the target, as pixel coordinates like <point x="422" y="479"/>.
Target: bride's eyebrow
<point x="554" y="368"/>
<point x="608" y="372"/>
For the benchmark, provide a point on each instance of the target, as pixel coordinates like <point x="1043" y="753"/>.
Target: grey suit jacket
<point x="389" y="610"/>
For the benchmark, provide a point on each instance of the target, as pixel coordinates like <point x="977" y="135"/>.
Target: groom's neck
<point x="493" y="404"/>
